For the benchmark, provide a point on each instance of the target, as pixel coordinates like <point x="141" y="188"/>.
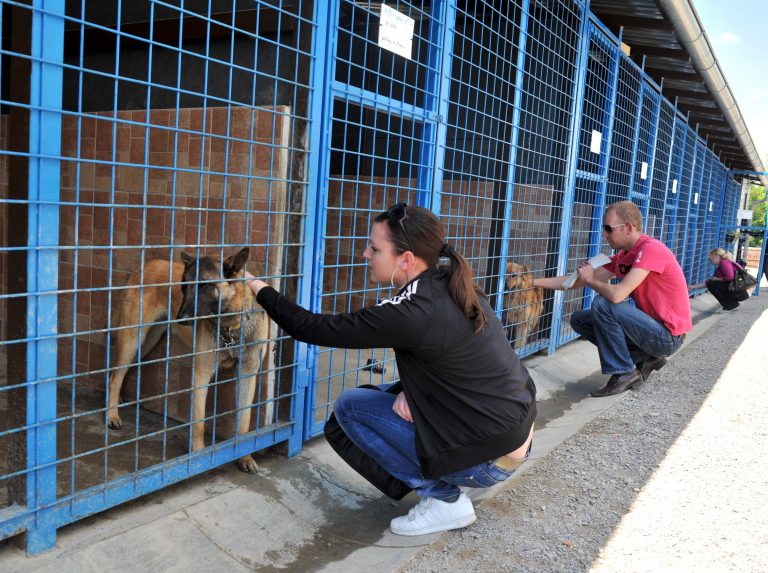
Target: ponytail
<point x="463" y="289"/>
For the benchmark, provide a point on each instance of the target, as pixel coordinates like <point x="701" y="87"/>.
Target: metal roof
<point x="679" y="57"/>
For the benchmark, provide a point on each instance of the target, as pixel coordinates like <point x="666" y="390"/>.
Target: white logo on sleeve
<point x="406" y="295"/>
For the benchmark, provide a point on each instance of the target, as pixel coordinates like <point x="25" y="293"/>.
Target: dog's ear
<point x="187" y="259"/>
<point x="234" y="264"/>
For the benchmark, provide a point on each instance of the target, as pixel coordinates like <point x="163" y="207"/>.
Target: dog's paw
<point x="248" y="465"/>
<point x="115" y="423"/>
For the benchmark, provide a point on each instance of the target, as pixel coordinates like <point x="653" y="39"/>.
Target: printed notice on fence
<point x="594" y="145"/>
<point x="396" y="32"/>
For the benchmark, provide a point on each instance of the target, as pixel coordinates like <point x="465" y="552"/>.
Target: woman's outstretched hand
<point x="255" y="284"/>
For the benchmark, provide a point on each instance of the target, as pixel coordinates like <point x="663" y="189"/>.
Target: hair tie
<point x="445" y="250"/>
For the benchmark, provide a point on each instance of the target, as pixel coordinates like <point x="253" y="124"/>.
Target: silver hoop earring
<point x="392" y="277"/>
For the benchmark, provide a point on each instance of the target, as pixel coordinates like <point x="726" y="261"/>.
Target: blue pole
<point x="570" y="181"/>
<point x="43" y="265"/>
<point x="437" y="104"/>
<point x="311" y="279"/>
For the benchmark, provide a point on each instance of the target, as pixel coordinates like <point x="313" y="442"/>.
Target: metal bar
<point x="577" y="108"/>
<point x="310" y="288"/>
<point x="44" y="178"/>
<point x="441" y="101"/>
<point x="69" y="509"/>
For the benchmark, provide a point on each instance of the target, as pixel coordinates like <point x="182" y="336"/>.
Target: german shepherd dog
<point x="523" y="302"/>
<point x="217" y="309"/>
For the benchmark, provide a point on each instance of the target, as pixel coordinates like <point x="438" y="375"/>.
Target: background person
<point x="632" y="341"/>
<point x="718" y="283"/>
<point x="463" y="412"/>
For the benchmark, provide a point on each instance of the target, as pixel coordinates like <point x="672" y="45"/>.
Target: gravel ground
<point x="673" y="477"/>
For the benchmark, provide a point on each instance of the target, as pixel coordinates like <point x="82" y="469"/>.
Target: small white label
<point x="396" y="32"/>
<point x="594" y="145"/>
<point x="744" y="214"/>
<point x="644" y="171"/>
<point x="674" y="186"/>
<point x="710" y="206"/>
<point x="695" y="198"/>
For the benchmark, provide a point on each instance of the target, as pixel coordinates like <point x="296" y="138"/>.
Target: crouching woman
<point x="462" y="414"/>
<point x="717" y="284"/>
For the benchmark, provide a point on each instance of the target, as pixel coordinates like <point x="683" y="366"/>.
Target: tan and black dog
<point x="523" y="302"/>
<point x="218" y="309"/>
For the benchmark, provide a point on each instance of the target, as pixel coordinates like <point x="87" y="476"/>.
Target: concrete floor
<point x="306" y="513"/>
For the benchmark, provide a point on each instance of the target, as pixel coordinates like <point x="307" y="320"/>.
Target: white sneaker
<point x="431" y="515"/>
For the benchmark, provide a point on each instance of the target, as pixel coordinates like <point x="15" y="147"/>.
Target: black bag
<point x="742" y="281"/>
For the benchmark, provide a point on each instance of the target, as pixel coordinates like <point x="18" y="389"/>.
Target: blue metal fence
<point x="132" y="132"/>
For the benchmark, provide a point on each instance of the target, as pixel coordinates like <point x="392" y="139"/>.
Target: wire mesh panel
<point x="706" y="213"/>
<point x="541" y="198"/>
<point x="648" y="122"/>
<point x="177" y="163"/>
<point x="591" y="177"/>
<point x="696" y="216"/>
<point x="480" y="126"/>
<point x="624" y="139"/>
<point x="714" y="204"/>
<point x="481" y="202"/>
<point x="673" y="236"/>
<point x="381" y="125"/>
<point x="480" y="123"/>
<point x="654" y="223"/>
<point x="685" y="202"/>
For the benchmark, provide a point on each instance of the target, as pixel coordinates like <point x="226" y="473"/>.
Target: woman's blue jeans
<point x="366" y="416"/>
<point x="624" y="334"/>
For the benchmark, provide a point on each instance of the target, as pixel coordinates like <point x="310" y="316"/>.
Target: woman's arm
<point x="401" y="324"/>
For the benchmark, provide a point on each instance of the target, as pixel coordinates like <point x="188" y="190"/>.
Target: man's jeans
<point x="366" y="416"/>
<point x="624" y="335"/>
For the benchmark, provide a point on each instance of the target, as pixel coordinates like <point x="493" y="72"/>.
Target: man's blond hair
<point x="628" y="212"/>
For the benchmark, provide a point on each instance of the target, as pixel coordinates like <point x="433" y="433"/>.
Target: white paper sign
<point x="710" y="206"/>
<point x="674" y="186"/>
<point x="594" y="145"/>
<point x="695" y="198"/>
<point x="744" y="214"/>
<point x="396" y="32"/>
<point x="644" y="171"/>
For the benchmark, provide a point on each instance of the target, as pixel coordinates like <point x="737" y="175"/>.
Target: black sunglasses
<point x="397" y="214"/>
<point x="608" y="229"/>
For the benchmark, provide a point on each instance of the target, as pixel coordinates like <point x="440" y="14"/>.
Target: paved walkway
<point x="310" y="513"/>
<point x="706" y="506"/>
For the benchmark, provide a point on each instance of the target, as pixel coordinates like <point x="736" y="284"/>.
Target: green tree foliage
<point x="757" y="193"/>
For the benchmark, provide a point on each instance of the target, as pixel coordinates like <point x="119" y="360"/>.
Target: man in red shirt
<point x="632" y="340"/>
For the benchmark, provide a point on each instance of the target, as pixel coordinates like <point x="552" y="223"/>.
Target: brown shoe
<point x="618" y="383"/>
<point x="647" y="366"/>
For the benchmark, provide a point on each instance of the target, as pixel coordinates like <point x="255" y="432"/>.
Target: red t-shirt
<point x="663" y="295"/>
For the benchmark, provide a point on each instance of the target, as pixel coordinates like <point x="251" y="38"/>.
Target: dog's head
<point x="206" y="289"/>
<point x="518" y="277"/>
